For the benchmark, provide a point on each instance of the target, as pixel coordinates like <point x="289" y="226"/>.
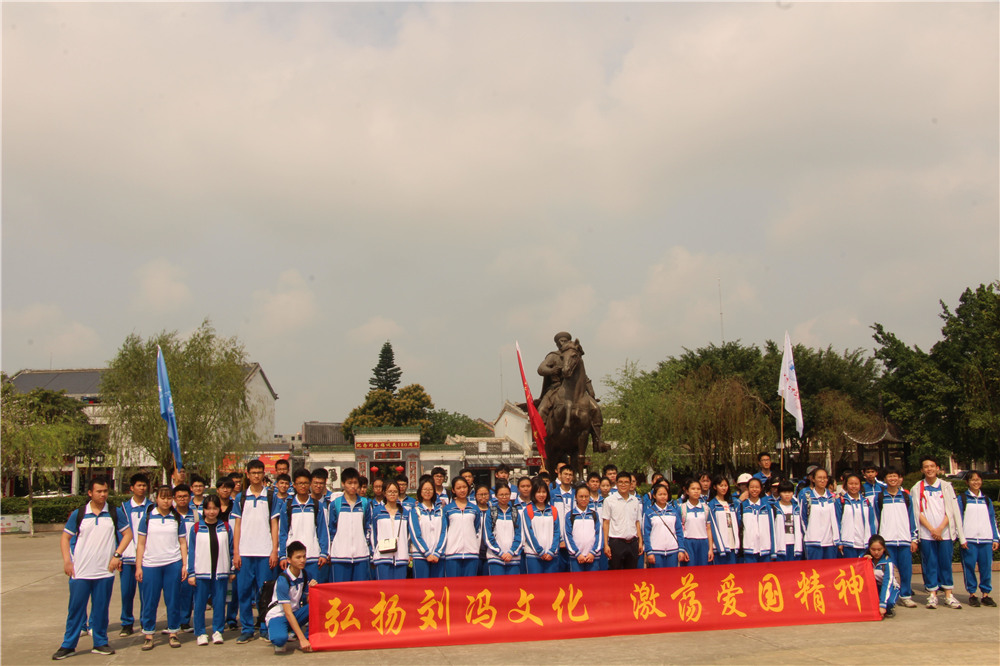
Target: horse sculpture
<point x="573" y="415"/>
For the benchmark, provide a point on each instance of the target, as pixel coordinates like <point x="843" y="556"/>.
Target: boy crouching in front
<point x="289" y="608"/>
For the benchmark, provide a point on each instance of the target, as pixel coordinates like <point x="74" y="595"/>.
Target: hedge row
<point x="50" y="509"/>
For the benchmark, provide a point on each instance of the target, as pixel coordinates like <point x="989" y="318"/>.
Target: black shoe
<point x="62" y="653"/>
<point x="245" y="638"/>
<point x="102" y="649"/>
<point x="890" y="613"/>
<point x="988" y="601"/>
<point x="127" y="630"/>
<point x="974" y="602"/>
<point x="232" y="626"/>
<point x="187" y="629"/>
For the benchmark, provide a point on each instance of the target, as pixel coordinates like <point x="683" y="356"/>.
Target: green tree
<point x="410" y="406"/>
<point x="444" y="423"/>
<point x="947" y="400"/>
<point x="385" y="375"/>
<point x="40" y="429"/>
<point x="215" y="417"/>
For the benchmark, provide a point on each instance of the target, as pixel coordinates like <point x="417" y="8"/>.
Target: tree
<point x="948" y="399"/>
<point x="410" y="406"/>
<point x="40" y="429"/>
<point x="444" y="423"/>
<point x="207" y="378"/>
<point x="385" y="375"/>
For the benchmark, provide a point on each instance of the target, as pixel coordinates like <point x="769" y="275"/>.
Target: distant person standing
<point x="764" y="473"/>
<point x="622" y="526"/>
<point x="92" y="545"/>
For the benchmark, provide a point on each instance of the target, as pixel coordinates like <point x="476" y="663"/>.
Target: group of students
<point x="272" y="542"/>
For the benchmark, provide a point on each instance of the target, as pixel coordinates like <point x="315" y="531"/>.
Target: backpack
<point x="495" y="511"/>
<point x="573" y="516"/>
<point x="265" y="600"/>
<point x="112" y="509"/>
<point x="173" y="512"/>
<point x="271" y="499"/>
<point x="879" y="502"/>
<point x="288" y="506"/>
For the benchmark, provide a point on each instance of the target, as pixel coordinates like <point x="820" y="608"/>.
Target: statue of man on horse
<point x="568" y="406"/>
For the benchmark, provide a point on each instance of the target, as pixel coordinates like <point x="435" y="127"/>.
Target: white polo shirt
<point x="92" y="548"/>
<point x="622" y="514"/>
<point x="255" y="523"/>
<point x="163" y="535"/>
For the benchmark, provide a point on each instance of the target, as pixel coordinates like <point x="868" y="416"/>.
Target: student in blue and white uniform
<point x="885" y="576"/>
<point x="939" y="524"/>
<point x="979" y="522"/>
<point x="584" y="535"/>
<point x="190" y="517"/>
<point x="787" y="524"/>
<point x="894" y="517"/>
<point x="405" y="500"/>
<point x="541" y="531"/>
<point x="697" y="524"/>
<point x="726" y="536"/>
<point x="350" y="530"/>
<point x="439" y="476"/>
<point x="855" y="518"/>
<point x="161" y="565"/>
<point x="461" y="522"/>
<point x="92" y="544"/>
<point x="323" y="496"/>
<point x="764" y="473"/>
<point x="483" y="504"/>
<point x="564" y="499"/>
<point x="821" y="532"/>
<point x="289" y="607"/>
<point x="210" y="559"/>
<point x="304" y="519"/>
<point x="504" y="537"/>
<point x="256" y="514"/>
<point x="427" y="537"/>
<point x="663" y="531"/>
<point x="391" y="537"/>
<point x="523" y="496"/>
<point x="132" y="511"/>
<point x="871" y="487"/>
<point x="757" y="521"/>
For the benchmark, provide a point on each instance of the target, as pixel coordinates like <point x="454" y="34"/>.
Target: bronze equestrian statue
<point x="568" y="406"/>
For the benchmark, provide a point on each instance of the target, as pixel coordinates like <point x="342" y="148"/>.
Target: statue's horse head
<point x="571" y="355"/>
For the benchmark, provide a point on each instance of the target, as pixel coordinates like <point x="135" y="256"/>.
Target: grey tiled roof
<point x="76" y="383"/>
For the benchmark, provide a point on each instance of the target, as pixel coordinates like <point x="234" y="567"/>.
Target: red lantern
<point x="373" y="468"/>
<point x="399" y="468"/>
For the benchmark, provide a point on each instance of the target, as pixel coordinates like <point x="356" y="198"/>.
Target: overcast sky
<point x="319" y="178"/>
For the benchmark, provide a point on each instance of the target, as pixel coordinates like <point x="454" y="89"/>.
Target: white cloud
<point x="161" y="288"/>
<point x="377" y="329"/>
<point x="288" y="307"/>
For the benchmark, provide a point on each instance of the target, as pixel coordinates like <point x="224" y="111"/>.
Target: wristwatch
<point x="118" y="555"/>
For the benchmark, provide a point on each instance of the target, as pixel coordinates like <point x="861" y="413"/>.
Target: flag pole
<point x="782" y="430"/>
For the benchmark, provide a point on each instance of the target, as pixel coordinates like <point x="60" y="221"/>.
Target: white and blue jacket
<point x="350" y="530"/>
<point x="978" y="517"/>
<point x="819" y="518"/>
<point x="871" y="490"/>
<point x="426" y="531"/>
<point x="885" y="579"/>
<point x="386" y="526"/>
<point x="461" y="529"/>
<point x="757" y="528"/>
<point x="856" y="521"/>
<point x="724" y="520"/>
<point x="584" y="532"/>
<point x="663" y="530"/>
<point x="504" y="533"/>
<point x="894" y="517"/>
<point x="304" y="522"/>
<point x="133" y="513"/>
<point x="201" y="564"/>
<point x="541" y="530"/>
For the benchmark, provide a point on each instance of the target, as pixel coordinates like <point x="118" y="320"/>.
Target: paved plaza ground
<point x="35" y="594"/>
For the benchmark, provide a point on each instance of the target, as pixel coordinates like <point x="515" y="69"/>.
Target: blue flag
<point x="167" y="408"/>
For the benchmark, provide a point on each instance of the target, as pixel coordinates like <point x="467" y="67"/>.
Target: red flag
<point x="534" y="418"/>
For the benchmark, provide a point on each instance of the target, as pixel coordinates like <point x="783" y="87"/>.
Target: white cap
<point x="743" y="478"/>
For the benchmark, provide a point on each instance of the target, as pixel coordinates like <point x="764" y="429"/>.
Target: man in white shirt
<point x="622" y="513"/>
<point x="92" y="543"/>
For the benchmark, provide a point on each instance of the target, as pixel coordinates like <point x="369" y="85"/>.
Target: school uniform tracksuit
<point x="350" y="529"/>
<point x="210" y="560"/>
<point x="821" y="531"/>
<point x="461" y="528"/>
<point x="130" y="513"/>
<point x="504" y="534"/>
<point x="856" y="521"/>
<point x="726" y="532"/>
<point x="934" y="501"/>
<point x="305" y="522"/>
<point x="584" y="536"/>
<point x="542" y="537"/>
<point x="897" y="526"/>
<point x="980" y="526"/>
<point x="161" y="568"/>
<point x="885" y="579"/>
<point x="294" y="591"/>
<point x="185" y="595"/>
<point x="757" y="521"/>
<point x="91" y="549"/>
<point x="255" y="513"/>
<point x="697" y="522"/>
<point x="663" y="535"/>
<point x="391" y="565"/>
<point x="788" y="528"/>
<point x="427" y="539"/>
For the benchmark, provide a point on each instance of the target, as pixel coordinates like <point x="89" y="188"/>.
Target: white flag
<point x="788" y="385"/>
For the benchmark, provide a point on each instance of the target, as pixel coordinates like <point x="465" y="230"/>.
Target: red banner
<point x="494" y="609"/>
<point x="534" y="418"/>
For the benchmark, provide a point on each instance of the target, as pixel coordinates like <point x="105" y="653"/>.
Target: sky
<point x="319" y="178"/>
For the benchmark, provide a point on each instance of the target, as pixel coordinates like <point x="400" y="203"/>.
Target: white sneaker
<point x="907" y="602"/>
<point x="202" y="640"/>
<point x="952" y="602"/>
<point x="932" y="601"/>
<point x="217" y="638"/>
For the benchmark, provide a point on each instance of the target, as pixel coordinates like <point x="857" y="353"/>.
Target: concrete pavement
<point x="34" y="596"/>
